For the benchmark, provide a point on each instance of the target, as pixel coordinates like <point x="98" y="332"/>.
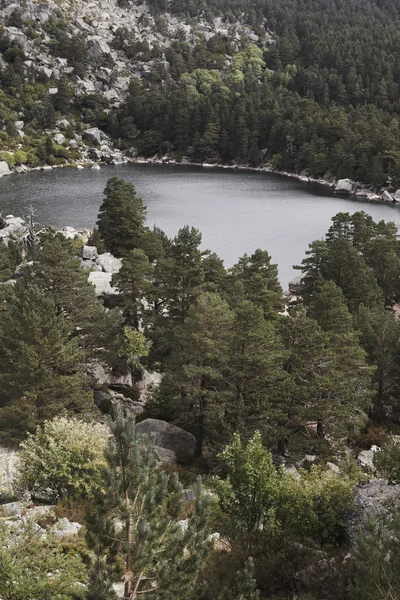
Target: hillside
<point x="307" y="87"/>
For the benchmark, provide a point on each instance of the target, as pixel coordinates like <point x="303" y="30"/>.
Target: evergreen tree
<point x="134" y="530"/>
<point x="121" y="217"/>
<point x="133" y="283"/>
<point x="41" y="368"/>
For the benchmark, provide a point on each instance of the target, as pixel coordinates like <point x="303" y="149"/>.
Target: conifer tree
<point x="121" y="217"/>
<point x="41" y="368"/>
<point x="133" y="526"/>
<point x="133" y="282"/>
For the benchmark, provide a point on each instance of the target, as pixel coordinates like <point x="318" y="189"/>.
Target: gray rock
<point x="103" y="400"/>
<point x="59" y="138"/>
<point x="73" y="144"/>
<point x="98" y="46"/>
<point x="63" y="124"/>
<point x="8" y="471"/>
<point x="19" y="125"/>
<point x="366" y="458"/>
<point x="97" y="372"/>
<point x="387" y="197"/>
<point x="344" y="186"/>
<point x="65" y="528"/>
<point x="94" y="135"/>
<point x="109" y="263"/>
<point x="15" y="509"/>
<point x="332" y="467"/>
<point x="95" y="168"/>
<point x="149" y="382"/>
<point x="16" y="34"/>
<point x="102" y="283"/>
<point x="397" y="195"/>
<point x="89" y="252"/>
<point x="4" y="168"/>
<point x="164" y="456"/>
<point x="296" y="285"/>
<point x="170" y="437"/>
<point x="52" y="91"/>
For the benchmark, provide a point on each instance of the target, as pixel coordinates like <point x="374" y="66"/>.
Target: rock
<point x="4" y="168"/>
<point x="103" y="400"/>
<point x="59" y="138"/>
<point x="102" y="283"/>
<point x="344" y="186"/>
<point x="21" y="169"/>
<point x="164" y="456"/>
<point x="296" y="285"/>
<point x="16" y="34"/>
<point x="89" y="252"/>
<point x="373" y="499"/>
<point x="189" y="495"/>
<point x="63" y="124"/>
<point x="292" y="472"/>
<point x="170" y="437"/>
<point x="95" y="168"/>
<point x="366" y="458"/>
<point x="97" y="372"/>
<point x="8" y="470"/>
<point x="74" y="145"/>
<point x="15" y="509"/>
<point x="65" y="528"/>
<point x="94" y="154"/>
<point x="120" y="380"/>
<point x="19" y="125"/>
<point x="397" y="195"/>
<point x="97" y="46"/>
<point x="387" y="197"/>
<point x="149" y="382"/>
<point x="109" y="263"/>
<point x="52" y="91"/>
<point x="94" y="135"/>
<point x="332" y="467"/>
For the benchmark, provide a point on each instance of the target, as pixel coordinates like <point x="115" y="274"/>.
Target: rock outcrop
<point x="169" y="437"/>
<point x="344" y="186"/>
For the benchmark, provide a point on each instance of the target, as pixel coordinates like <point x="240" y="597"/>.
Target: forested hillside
<point x="309" y="87"/>
<point x="264" y="462"/>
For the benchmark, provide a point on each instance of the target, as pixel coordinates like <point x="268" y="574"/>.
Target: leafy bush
<point x="387" y="461"/>
<point x="35" y="566"/>
<point x="62" y="459"/>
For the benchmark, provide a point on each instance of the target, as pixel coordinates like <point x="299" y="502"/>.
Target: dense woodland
<point x="259" y="383"/>
<point x="318" y="92"/>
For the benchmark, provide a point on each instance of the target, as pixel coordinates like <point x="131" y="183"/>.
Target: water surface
<point x="236" y="211"/>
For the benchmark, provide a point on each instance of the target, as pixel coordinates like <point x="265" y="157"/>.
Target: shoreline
<point x="359" y="191"/>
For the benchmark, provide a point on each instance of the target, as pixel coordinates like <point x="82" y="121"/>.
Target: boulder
<point x="89" y="252"/>
<point x="109" y="263"/>
<point x="397" y="196"/>
<point x="98" y="46"/>
<point x="4" y="168"/>
<point x="14" y="509"/>
<point x="164" y="456"/>
<point x="149" y="382"/>
<point x="65" y="528"/>
<point x="102" y="283"/>
<point x="94" y="135"/>
<point x="387" y="197"/>
<point x="296" y="285"/>
<point x="366" y="458"/>
<point x="15" y="34"/>
<point x="8" y="469"/>
<point x="95" y="168"/>
<point x="344" y="186"/>
<point x="73" y="144"/>
<point x="63" y="124"/>
<point x="103" y="400"/>
<point x="59" y="138"/>
<point x="97" y="372"/>
<point x="170" y="437"/>
<point x="19" y="125"/>
<point x="373" y="499"/>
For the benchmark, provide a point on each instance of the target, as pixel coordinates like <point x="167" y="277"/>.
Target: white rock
<point x="4" y="168"/>
<point x="109" y="263"/>
<point x="59" y="138"/>
<point x="95" y="167"/>
<point x="65" y="528"/>
<point x="19" y="125"/>
<point x="397" y="195"/>
<point x="102" y="283"/>
<point x="344" y="186"/>
<point x="366" y="458"/>
<point x="89" y="252"/>
<point x="8" y="469"/>
<point x="387" y="197"/>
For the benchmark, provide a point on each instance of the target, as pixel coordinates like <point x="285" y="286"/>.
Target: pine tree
<point x="121" y="217"/>
<point x="133" y="282"/>
<point x="133" y="526"/>
<point x="41" y="368"/>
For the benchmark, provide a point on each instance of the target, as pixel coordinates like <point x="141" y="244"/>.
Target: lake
<point x="237" y="211"/>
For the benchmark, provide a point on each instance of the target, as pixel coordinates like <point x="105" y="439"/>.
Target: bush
<point x="62" y="459"/>
<point x="387" y="461"/>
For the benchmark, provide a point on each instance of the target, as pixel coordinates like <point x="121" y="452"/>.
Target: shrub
<point x="387" y="461"/>
<point x="21" y="157"/>
<point x="9" y="158"/>
<point x="62" y="459"/>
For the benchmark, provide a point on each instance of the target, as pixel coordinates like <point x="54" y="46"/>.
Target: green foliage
<point x="248" y="495"/>
<point x="41" y="367"/>
<point x="377" y="561"/>
<point x="62" y="459"/>
<point x="387" y="460"/>
<point x="133" y="347"/>
<point x="35" y="566"/>
<point x="133" y="527"/>
<point x="121" y="217"/>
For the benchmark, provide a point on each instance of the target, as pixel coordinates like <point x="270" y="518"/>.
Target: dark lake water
<point x="236" y="211"/>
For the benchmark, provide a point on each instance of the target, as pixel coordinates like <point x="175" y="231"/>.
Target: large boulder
<point x="59" y="138"/>
<point x="4" y="168"/>
<point x="8" y="470"/>
<point x="102" y="283"/>
<point x="149" y="382"/>
<point x="109" y="263"/>
<point x="373" y="499"/>
<point x="98" y="46"/>
<point x="366" y="458"/>
<point x="170" y="437"/>
<point x="344" y="186"/>
<point x="89" y="252"/>
<point x="94" y="135"/>
<point x="387" y="197"/>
